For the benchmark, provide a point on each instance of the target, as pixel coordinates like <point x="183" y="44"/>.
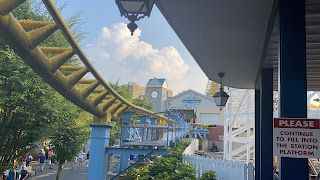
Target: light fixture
<point x="134" y="10"/>
<point x="221" y="97"/>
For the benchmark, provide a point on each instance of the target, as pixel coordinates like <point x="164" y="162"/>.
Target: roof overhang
<point x="222" y="36"/>
<point x="239" y="38"/>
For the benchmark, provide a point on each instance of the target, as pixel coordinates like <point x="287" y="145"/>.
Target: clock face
<point x="154" y="94"/>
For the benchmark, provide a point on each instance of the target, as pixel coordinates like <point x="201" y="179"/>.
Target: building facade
<point x="136" y="90"/>
<point x="157" y="93"/>
<point x="205" y="111"/>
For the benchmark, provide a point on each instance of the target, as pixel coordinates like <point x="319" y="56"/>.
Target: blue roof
<point x="161" y="81"/>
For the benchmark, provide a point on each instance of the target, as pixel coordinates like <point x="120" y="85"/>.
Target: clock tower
<point x="157" y="93"/>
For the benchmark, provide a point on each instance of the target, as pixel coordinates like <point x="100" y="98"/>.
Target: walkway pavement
<point x="68" y="173"/>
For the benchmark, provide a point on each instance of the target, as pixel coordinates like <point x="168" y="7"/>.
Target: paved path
<point x="68" y="173"/>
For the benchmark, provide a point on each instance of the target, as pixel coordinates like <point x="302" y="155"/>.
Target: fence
<point x="225" y="170"/>
<point x="190" y="149"/>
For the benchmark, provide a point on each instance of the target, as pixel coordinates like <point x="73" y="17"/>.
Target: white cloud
<point x="121" y="56"/>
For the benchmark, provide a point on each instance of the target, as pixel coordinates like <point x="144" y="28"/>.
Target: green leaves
<point x="165" y="168"/>
<point x="143" y="103"/>
<point x="29" y="108"/>
<point x="70" y="131"/>
<point x="208" y="175"/>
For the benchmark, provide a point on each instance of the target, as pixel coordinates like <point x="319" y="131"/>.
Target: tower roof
<point x="157" y="83"/>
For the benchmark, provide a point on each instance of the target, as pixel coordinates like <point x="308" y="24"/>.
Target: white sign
<point x="297" y="138"/>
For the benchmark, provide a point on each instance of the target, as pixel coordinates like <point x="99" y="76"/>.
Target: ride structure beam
<point x="293" y="80"/>
<point x="266" y="124"/>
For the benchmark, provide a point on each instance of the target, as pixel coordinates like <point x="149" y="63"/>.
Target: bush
<point x="165" y="168"/>
<point x="209" y="175"/>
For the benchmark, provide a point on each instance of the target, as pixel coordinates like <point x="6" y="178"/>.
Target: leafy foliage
<point x="25" y="109"/>
<point x="69" y="132"/>
<point x="167" y="168"/>
<point x="29" y="108"/>
<point x="208" y="175"/>
<point x="142" y="102"/>
<point x="123" y="91"/>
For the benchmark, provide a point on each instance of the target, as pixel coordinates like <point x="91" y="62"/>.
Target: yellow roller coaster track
<point x="104" y="103"/>
<point x="213" y="88"/>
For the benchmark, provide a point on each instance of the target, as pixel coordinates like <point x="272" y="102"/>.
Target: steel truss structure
<point x="239" y="120"/>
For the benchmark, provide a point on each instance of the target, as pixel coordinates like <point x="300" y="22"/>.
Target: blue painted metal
<point x="257" y="135"/>
<point x="128" y="168"/>
<point x="126" y="118"/>
<point x="266" y="126"/>
<point x="124" y="160"/>
<point x="99" y="160"/>
<point x="153" y="121"/>
<point x="143" y="120"/>
<point x="131" y="144"/>
<point x="293" y="82"/>
<point x="158" y="152"/>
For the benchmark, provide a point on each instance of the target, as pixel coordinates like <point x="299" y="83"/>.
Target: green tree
<point x="69" y="132"/>
<point x="123" y="90"/>
<point x="25" y="108"/>
<point x="142" y="102"/>
<point x="26" y="103"/>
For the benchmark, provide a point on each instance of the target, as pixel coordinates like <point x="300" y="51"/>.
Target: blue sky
<point x="154" y="50"/>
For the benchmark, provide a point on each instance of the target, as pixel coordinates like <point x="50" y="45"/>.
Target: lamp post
<point x="134" y="10"/>
<point x="221" y="97"/>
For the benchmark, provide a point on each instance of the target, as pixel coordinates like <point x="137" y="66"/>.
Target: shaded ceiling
<point x="222" y="36"/>
<point x="239" y="37"/>
<point x="312" y="17"/>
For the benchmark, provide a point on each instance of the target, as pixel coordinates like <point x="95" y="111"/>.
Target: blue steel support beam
<point x="143" y="120"/>
<point x="126" y="118"/>
<point x="153" y="121"/>
<point x="257" y="134"/>
<point x="158" y="152"/>
<point x="99" y="160"/>
<point x="293" y="82"/>
<point x="204" y="135"/>
<point x="266" y="125"/>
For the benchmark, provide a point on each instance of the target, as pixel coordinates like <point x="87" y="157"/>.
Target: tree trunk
<point x="61" y="164"/>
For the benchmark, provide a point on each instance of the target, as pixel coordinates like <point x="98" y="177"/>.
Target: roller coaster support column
<point x="203" y="135"/>
<point x="143" y="121"/>
<point x="153" y="121"/>
<point x="153" y="131"/>
<point x="293" y="80"/>
<point x="266" y="125"/>
<point x="179" y="130"/>
<point x="126" y="118"/>
<point x="257" y="134"/>
<point x="99" y="141"/>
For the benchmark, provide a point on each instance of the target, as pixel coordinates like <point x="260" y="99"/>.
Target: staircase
<point x="314" y="165"/>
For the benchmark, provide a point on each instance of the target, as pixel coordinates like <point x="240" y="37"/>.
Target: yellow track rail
<point x="98" y="101"/>
<point x="213" y="88"/>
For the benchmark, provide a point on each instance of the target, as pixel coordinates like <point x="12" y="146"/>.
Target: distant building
<point x="205" y="111"/>
<point x="157" y="93"/>
<point x="170" y="93"/>
<point x="136" y="90"/>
